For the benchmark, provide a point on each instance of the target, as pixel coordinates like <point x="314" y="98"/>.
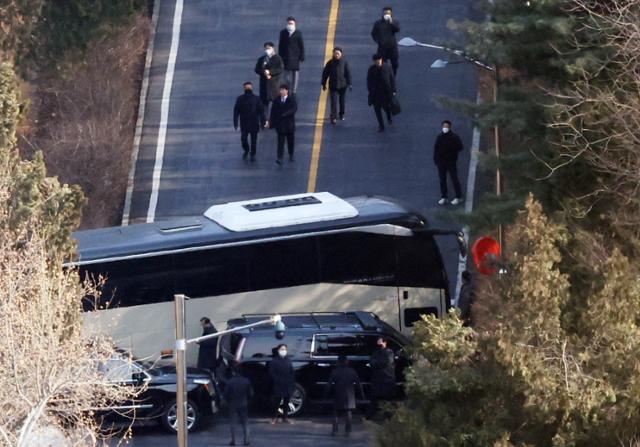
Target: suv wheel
<point x="298" y="400"/>
<point x="169" y="418"/>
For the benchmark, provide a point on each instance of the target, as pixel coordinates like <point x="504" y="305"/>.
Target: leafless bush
<point x="86" y="121"/>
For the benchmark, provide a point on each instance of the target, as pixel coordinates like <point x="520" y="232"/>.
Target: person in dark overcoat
<point x="383" y="375"/>
<point x="466" y="298"/>
<point x="237" y="394"/>
<point x="445" y="155"/>
<point x="208" y="351"/>
<point x="291" y="49"/>
<point x="283" y="381"/>
<point x="384" y="34"/>
<point x="381" y="84"/>
<point x="269" y="67"/>
<point x="250" y="112"/>
<point x="283" y="120"/>
<point x="338" y="73"/>
<point x="343" y="381"/>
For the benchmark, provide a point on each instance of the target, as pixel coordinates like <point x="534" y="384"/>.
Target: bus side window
<point x="412" y="314"/>
<point x="283" y="264"/>
<point x="418" y="262"/>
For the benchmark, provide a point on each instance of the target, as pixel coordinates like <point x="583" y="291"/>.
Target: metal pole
<point x="181" y="371"/>
<point x="496" y="135"/>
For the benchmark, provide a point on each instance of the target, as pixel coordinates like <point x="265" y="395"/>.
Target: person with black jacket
<point x="291" y="49"/>
<point x="381" y="83"/>
<point x="445" y="155"/>
<point x="269" y="67"/>
<point x="383" y="375"/>
<point x="237" y="393"/>
<point x="466" y="298"/>
<point x="250" y="111"/>
<point x="343" y="381"/>
<point x="338" y="73"/>
<point x="208" y="352"/>
<point x="282" y="379"/>
<point x="283" y="120"/>
<point x="384" y="34"/>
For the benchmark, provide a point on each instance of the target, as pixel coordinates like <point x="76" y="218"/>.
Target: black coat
<point x="383" y="373"/>
<point x="269" y="88"/>
<point x="343" y="380"/>
<point x="338" y="73"/>
<point x="291" y="49"/>
<point x="384" y="33"/>
<point x="250" y="111"/>
<point x="381" y="84"/>
<point x="283" y="115"/>
<point x="237" y="392"/>
<point x="465" y="301"/>
<point x="446" y="148"/>
<point x="208" y="350"/>
<point x="282" y="377"/>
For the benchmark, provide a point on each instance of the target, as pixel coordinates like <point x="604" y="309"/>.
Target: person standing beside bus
<point x="282" y="379"/>
<point x="383" y="375"/>
<point x="291" y="49"/>
<point x="343" y="380"/>
<point x="208" y="352"/>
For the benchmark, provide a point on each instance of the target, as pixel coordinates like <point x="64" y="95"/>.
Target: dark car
<point x="157" y="398"/>
<point x="314" y="342"/>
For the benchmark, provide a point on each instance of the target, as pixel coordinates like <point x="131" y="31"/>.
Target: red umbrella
<point x="486" y="254"/>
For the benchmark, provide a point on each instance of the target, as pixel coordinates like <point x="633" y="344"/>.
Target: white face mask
<point x="387" y="17"/>
<point x="269" y="52"/>
<point x="445" y="130"/>
<point x="282" y="352"/>
<point x="291" y="28"/>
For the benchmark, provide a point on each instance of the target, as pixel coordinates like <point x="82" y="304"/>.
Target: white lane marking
<point x="164" y="110"/>
<point x="468" y="203"/>
<point x="144" y="89"/>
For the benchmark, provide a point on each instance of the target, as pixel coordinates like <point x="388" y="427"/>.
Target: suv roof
<point x="357" y="320"/>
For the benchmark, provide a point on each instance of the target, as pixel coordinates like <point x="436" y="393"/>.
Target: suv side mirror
<point x="138" y="377"/>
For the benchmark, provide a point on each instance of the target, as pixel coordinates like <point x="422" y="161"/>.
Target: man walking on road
<point x="445" y="156"/>
<point x="291" y="49"/>
<point x="269" y="67"/>
<point x="338" y="73"/>
<point x="251" y="113"/>
<point x="383" y="375"/>
<point x="381" y="83"/>
<point x="282" y="383"/>
<point x="343" y="380"/>
<point x="207" y="354"/>
<point x="283" y="120"/>
<point x="384" y="34"/>
<point x="237" y="393"/>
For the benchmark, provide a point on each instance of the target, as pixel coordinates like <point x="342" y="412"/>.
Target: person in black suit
<point x="445" y="155"/>
<point x="237" y="393"/>
<point x="343" y="380"/>
<point x="381" y="84"/>
<point x="338" y="73"/>
<point x="269" y="67"/>
<point x="282" y="378"/>
<point x="208" y="352"/>
<point x="251" y="113"/>
<point x="283" y="120"/>
<point x="291" y="49"/>
<point x="384" y="34"/>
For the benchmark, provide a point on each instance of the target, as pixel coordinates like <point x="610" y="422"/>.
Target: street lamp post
<point x="439" y="63"/>
<point x="181" y="366"/>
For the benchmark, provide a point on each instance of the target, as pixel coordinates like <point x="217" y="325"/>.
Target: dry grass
<point x="84" y="124"/>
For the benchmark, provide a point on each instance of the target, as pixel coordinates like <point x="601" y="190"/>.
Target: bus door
<point x="417" y="301"/>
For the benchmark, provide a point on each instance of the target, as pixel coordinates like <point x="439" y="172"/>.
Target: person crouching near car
<point x="343" y="381"/>
<point x="282" y="383"/>
<point x="237" y="393"/>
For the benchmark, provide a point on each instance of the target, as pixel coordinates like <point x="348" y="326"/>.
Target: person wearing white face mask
<point x="291" y="48"/>
<point x="445" y="155"/>
<point x="384" y="34"/>
<point x="282" y="383"/>
<point x="269" y="67"/>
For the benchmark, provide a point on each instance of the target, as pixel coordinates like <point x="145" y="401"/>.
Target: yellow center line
<point x="322" y="102"/>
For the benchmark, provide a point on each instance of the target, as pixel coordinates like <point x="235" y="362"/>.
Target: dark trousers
<point x="377" y="108"/>
<point x="241" y="415"/>
<point x="280" y="403"/>
<point x="337" y="96"/>
<point x="346" y="414"/>
<point x="244" y="138"/>
<point x="452" y="169"/>
<point x="391" y="54"/>
<point x="291" y="139"/>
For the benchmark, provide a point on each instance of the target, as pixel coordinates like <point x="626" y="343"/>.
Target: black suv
<point x="314" y="342"/>
<point x="158" y="397"/>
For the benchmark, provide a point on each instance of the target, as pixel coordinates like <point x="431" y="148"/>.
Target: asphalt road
<point x="307" y="432"/>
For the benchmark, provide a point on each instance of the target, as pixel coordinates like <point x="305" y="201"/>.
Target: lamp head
<point x="439" y="63"/>
<point x="407" y="42"/>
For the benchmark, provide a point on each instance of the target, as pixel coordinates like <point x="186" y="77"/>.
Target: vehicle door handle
<point x="324" y="364"/>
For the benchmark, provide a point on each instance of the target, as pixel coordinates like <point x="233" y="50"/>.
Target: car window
<point x="118" y="370"/>
<point x="259" y="346"/>
<point x="372" y="340"/>
<point x="335" y="344"/>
